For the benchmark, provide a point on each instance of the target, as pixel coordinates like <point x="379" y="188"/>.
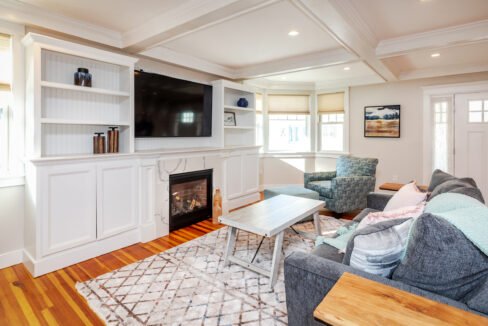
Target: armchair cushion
<point x="356" y="166"/>
<point x="322" y="187"/>
<point x="318" y="176"/>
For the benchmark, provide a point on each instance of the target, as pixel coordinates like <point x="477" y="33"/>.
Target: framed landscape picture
<point x="382" y="121"/>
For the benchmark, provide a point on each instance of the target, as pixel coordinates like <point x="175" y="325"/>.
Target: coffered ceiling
<point x="377" y="40"/>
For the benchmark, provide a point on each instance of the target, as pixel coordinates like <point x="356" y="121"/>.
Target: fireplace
<point x="190" y="198"/>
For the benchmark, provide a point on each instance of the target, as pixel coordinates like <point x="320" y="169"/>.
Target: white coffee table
<point x="269" y="218"/>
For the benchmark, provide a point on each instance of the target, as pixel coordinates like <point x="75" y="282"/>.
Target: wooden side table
<point x="355" y="300"/>
<point x="396" y="186"/>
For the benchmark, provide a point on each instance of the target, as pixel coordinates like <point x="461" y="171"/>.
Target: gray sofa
<point x="310" y="276"/>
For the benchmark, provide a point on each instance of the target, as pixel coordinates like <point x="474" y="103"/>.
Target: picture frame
<point x="382" y="121"/>
<point x="229" y="119"/>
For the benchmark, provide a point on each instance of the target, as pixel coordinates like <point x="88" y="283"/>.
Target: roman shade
<point x="288" y="104"/>
<point x="5" y="62"/>
<point x="330" y="103"/>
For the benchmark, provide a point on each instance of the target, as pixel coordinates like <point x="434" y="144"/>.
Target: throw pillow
<point x="404" y="212"/>
<point x="460" y="186"/>
<point x="438" y="177"/>
<point x="408" y="195"/>
<point x="440" y="259"/>
<point x="378" y="248"/>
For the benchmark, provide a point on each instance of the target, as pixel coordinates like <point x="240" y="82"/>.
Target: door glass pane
<point x="475" y="105"/>
<point x="475" y="116"/>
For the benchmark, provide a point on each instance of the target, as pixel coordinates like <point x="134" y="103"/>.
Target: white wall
<point x="11" y="225"/>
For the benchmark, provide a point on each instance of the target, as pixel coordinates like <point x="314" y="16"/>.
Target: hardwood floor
<point x="52" y="299"/>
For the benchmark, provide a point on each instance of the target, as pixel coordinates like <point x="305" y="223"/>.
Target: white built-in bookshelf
<point x="226" y="96"/>
<point x="61" y="117"/>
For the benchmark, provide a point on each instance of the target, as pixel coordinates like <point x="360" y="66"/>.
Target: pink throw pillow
<point x="408" y="195"/>
<point x="403" y="212"/>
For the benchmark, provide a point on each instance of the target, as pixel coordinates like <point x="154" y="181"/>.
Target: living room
<point x="243" y="162"/>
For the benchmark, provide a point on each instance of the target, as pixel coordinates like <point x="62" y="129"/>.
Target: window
<point x="478" y="111"/>
<point x="441" y="133"/>
<point x="331" y="118"/>
<point x="5" y="101"/>
<point x="289" y="123"/>
<point x="259" y="119"/>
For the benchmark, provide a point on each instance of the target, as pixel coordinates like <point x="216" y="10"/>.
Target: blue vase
<point x="242" y="103"/>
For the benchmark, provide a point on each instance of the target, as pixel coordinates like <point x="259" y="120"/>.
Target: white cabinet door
<point x="117" y="190"/>
<point x="68" y="207"/>
<point x="250" y="173"/>
<point x="234" y="176"/>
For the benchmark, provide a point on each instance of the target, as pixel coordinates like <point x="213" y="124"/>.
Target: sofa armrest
<point x="378" y="201"/>
<point x="360" y="184"/>
<point x="318" y="176"/>
<point x="308" y="278"/>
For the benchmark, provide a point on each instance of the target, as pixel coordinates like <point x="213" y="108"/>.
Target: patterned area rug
<point x="189" y="285"/>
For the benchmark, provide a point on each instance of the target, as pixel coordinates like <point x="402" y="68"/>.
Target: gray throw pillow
<point x="438" y="177"/>
<point x="378" y="248"/>
<point x="461" y="186"/>
<point x="440" y="259"/>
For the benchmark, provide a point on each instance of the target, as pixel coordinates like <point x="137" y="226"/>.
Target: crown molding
<point x="281" y="85"/>
<point x="188" y="61"/>
<point x="442" y="71"/>
<point x="329" y="16"/>
<point x="349" y="82"/>
<point x="444" y="37"/>
<point x="23" y="13"/>
<point x="298" y="63"/>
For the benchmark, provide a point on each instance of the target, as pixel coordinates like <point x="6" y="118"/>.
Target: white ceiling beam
<point x="442" y="71"/>
<point x="303" y="62"/>
<point x="331" y="16"/>
<point x="445" y="37"/>
<point x="188" y="61"/>
<point x="26" y="14"/>
<point x="188" y="17"/>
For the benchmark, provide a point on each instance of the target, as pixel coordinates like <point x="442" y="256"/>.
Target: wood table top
<point x="271" y="216"/>
<point x="355" y="300"/>
<point x="396" y="186"/>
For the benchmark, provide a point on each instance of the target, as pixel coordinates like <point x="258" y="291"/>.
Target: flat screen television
<point x="171" y="107"/>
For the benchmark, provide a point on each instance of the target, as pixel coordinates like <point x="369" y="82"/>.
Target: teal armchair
<point x="345" y="189"/>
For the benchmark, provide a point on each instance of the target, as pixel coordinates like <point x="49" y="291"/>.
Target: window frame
<point x="345" y="123"/>
<point x="14" y="174"/>
<point x="307" y="127"/>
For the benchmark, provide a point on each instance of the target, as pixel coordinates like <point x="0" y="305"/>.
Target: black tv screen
<point x="171" y="107"/>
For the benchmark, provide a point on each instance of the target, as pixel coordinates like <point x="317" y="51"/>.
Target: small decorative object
<point x="382" y="121"/>
<point x="229" y="118"/>
<point x="242" y="102"/>
<point x="217" y="206"/>
<point x="98" y="143"/>
<point x="113" y="140"/>
<point x="83" y="77"/>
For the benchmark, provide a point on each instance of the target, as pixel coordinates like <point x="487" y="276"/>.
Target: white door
<point x="68" y="206"/>
<point x="117" y="197"/>
<point x="471" y="138"/>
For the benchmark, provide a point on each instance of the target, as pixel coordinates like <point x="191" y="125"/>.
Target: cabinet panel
<point x="117" y="198"/>
<point x="250" y="171"/>
<point x="68" y="198"/>
<point x="234" y="176"/>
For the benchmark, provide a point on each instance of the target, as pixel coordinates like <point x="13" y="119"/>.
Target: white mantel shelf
<point x="137" y="154"/>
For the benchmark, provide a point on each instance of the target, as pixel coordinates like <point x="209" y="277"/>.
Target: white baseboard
<point x="268" y="186"/>
<point x="148" y="232"/>
<point x="11" y="258"/>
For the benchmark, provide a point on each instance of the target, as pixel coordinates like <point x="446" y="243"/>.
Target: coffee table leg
<point x="275" y="264"/>
<point x="231" y="240"/>
<point x="316" y="221"/>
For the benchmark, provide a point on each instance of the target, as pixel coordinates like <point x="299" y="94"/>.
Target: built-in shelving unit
<point x="226" y="95"/>
<point x="62" y="117"/>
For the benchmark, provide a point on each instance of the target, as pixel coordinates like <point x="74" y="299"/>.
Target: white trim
<point x="443" y="37"/>
<point x="448" y="89"/>
<point x="278" y="185"/>
<point x="442" y="71"/>
<point x="11" y="258"/>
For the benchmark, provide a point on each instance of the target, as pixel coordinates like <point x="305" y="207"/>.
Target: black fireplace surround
<point x="190" y="198"/>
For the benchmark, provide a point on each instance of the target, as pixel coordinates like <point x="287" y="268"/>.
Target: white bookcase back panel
<point x="72" y="105"/>
<point x="60" y="68"/>
<point x="66" y="140"/>
<point x="231" y="96"/>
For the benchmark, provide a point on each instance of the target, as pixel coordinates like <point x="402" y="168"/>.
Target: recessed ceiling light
<point x="293" y="33"/>
<point x="435" y="55"/>
<point x="347" y="68"/>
